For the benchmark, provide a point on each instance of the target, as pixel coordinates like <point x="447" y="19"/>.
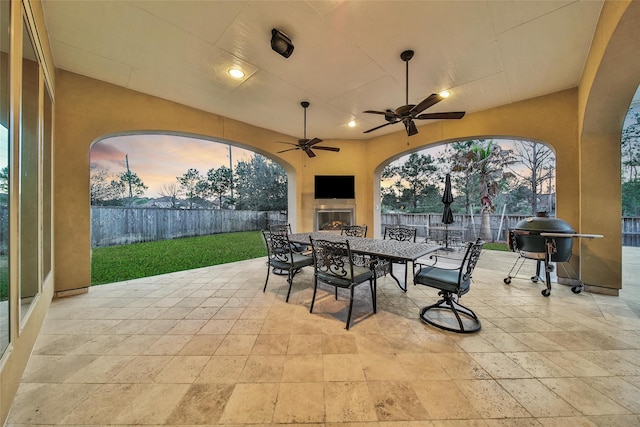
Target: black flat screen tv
<point x="335" y="187"/>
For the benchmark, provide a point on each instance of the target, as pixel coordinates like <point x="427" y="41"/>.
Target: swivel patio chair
<point x="281" y="257"/>
<point x="354" y="231"/>
<point x="335" y="266"/>
<point x="453" y="278"/>
<point x="401" y="234"/>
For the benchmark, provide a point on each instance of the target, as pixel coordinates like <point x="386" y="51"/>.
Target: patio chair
<point x="286" y="229"/>
<point x="354" y="231"/>
<point x="401" y="234"/>
<point x="281" y="257"/>
<point x="335" y="266"/>
<point x="453" y="278"/>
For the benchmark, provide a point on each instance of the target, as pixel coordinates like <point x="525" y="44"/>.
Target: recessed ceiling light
<point x="236" y="73"/>
<point x="445" y="93"/>
<point x="352" y="124"/>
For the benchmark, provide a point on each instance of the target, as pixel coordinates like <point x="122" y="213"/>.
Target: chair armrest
<point x="440" y="262"/>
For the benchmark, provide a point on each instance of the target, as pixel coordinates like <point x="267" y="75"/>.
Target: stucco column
<point x="601" y="213"/>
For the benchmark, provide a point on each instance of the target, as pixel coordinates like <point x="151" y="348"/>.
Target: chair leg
<point x="350" y="307"/>
<point x="267" y="279"/>
<point x="315" y="289"/>
<point x="374" y="292"/>
<point x="290" y="280"/>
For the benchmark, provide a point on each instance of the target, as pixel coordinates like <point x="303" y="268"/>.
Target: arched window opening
<point x="162" y="187"/>
<point x="490" y="179"/>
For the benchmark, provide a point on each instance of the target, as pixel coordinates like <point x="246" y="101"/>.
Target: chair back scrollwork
<point x="355" y="231"/>
<point x="403" y="234"/>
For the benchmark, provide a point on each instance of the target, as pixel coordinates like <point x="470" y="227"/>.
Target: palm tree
<point x="486" y="161"/>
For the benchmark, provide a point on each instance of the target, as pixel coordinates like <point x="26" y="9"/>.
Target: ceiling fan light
<point x="281" y="43"/>
<point x="352" y="124"/>
<point x="445" y="94"/>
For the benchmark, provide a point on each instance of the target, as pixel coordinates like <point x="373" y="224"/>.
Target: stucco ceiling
<point x="346" y="58"/>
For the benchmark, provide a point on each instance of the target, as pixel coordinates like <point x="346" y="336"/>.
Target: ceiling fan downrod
<point x="305" y="104"/>
<point x="406" y="57"/>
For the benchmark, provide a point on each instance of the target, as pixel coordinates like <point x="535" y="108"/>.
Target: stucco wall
<point x="88" y="109"/>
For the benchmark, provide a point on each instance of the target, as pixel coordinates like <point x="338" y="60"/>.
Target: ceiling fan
<point x="306" y="144"/>
<point x="409" y="112"/>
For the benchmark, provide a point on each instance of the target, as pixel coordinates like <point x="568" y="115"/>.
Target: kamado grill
<point x="545" y="240"/>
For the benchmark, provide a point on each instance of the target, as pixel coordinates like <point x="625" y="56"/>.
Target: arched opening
<point x="151" y="186"/>
<point x="498" y="176"/>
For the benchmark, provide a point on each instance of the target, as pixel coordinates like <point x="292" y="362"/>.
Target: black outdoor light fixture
<point x="281" y="43"/>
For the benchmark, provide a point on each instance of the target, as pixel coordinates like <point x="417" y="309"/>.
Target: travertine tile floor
<point x="208" y="347"/>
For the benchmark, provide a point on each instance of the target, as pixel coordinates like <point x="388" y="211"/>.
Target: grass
<point x="119" y="263"/>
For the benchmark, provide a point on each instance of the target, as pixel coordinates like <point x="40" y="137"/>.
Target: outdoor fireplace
<point x="333" y="218"/>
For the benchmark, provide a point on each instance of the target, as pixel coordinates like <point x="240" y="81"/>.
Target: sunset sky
<point x="159" y="159"/>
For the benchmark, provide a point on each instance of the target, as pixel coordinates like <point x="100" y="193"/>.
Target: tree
<point x="220" y="182"/>
<point x="487" y="161"/>
<point x="4" y="180"/>
<point x="538" y="163"/>
<point x="260" y="185"/>
<point x="104" y="188"/>
<point x="630" y="150"/>
<point x="188" y="184"/>
<point x="133" y="183"/>
<point x="172" y="192"/>
<point x="465" y="181"/>
<point x="414" y="179"/>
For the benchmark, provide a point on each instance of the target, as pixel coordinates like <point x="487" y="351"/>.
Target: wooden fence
<point x="499" y="225"/>
<point x="471" y="224"/>
<point x="119" y="226"/>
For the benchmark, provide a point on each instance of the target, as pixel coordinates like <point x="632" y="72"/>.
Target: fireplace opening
<point x="335" y="219"/>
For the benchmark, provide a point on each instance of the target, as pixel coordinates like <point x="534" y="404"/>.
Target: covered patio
<point x="207" y="346"/>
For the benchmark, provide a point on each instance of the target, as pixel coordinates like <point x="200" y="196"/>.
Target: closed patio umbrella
<point x="447" y="215"/>
<point x="447" y="199"/>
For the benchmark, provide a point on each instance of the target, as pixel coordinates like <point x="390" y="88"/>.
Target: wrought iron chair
<point x="354" y="231"/>
<point x="453" y="280"/>
<point x="335" y="266"/>
<point x="281" y="257"/>
<point x="286" y="229"/>
<point x="401" y="234"/>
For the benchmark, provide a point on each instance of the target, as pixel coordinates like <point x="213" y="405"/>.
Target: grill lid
<point x="542" y="223"/>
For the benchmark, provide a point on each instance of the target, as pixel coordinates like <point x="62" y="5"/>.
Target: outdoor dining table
<point x="444" y="233"/>
<point x="391" y="250"/>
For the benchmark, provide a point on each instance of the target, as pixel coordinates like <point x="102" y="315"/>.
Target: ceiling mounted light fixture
<point x="281" y="43"/>
<point x="236" y="73"/>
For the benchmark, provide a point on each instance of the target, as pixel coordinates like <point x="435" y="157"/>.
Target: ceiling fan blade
<point x="310" y="153"/>
<point x="449" y="115"/>
<point x="288" y="149"/>
<point x="384" y="113"/>
<point x="411" y="127"/>
<point x="313" y="142"/>
<point x="429" y="101"/>
<point x="381" y="126"/>
<point x="336" y="149"/>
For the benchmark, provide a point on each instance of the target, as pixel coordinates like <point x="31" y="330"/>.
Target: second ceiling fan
<point x="306" y="144"/>
<point x="410" y="112"/>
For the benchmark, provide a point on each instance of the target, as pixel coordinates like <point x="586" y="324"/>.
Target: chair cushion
<point x="439" y="278"/>
<point x="286" y="263"/>
<point x="361" y="274"/>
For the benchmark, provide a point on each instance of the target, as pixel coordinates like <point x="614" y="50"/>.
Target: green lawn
<point x="118" y="263"/>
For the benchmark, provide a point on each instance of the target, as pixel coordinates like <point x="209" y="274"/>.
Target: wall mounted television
<point x="334" y="187"/>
